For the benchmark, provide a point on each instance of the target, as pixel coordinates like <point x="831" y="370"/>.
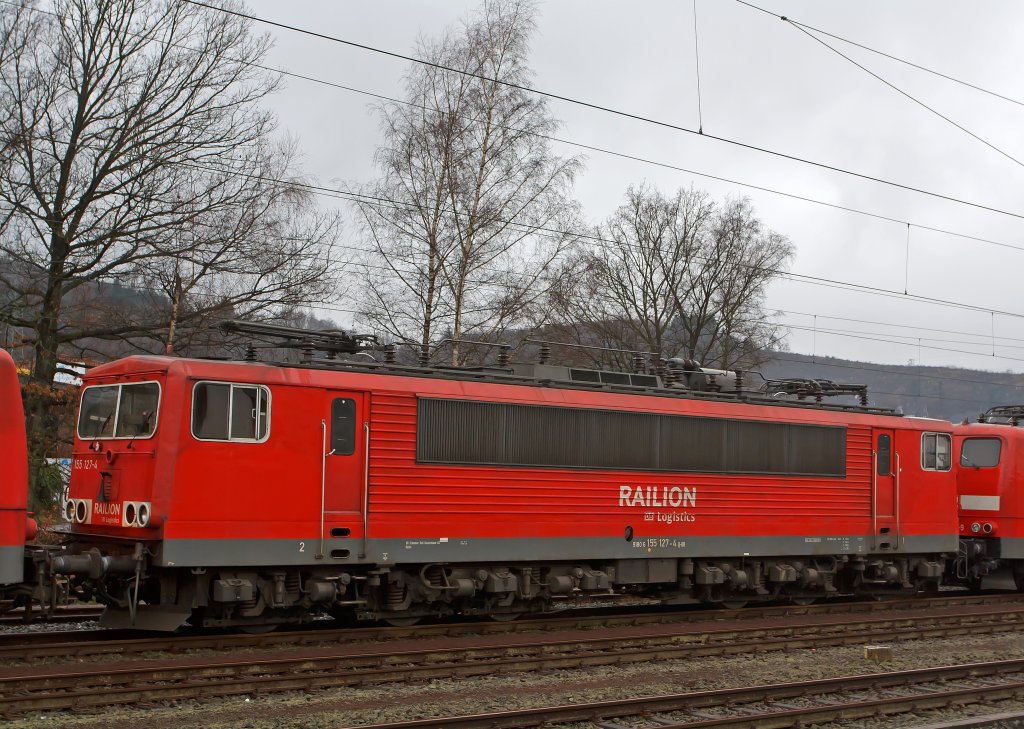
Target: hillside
<point x="939" y="392"/>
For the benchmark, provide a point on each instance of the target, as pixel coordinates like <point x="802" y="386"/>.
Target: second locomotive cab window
<point x="343" y="426"/>
<point x="226" y="411"/>
<point x="935" y="451"/>
<point x="119" y="411"/>
<point x="980" y="452"/>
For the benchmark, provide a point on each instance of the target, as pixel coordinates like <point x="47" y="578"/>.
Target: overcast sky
<point x="764" y="83"/>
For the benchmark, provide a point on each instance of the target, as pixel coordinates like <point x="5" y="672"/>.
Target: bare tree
<point x="134" y="146"/>
<point x="676" y="276"/>
<point x="472" y="207"/>
<point x="269" y="255"/>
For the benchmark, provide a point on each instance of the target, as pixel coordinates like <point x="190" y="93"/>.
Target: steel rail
<point x="94" y="685"/>
<point x="923" y="696"/>
<point x="69" y="614"/>
<point x="20" y="646"/>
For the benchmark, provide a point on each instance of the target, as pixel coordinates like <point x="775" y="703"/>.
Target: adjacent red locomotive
<point x="989" y="489"/>
<point x="252" y="494"/>
<point x="15" y="526"/>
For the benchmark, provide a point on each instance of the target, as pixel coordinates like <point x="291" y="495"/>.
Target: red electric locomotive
<point x="15" y="526"/>
<point x="252" y="494"/>
<point x="991" y="500"/>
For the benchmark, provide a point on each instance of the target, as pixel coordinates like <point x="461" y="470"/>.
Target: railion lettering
<point x="653" y="496"/>
<point x="106" y="508"/>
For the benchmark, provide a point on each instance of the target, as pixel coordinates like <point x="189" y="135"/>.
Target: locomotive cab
<point x="991" y="511"/>
<point x="112" y="470"/>
<point x="112" y="467"/>
<point x="115" y="505"/>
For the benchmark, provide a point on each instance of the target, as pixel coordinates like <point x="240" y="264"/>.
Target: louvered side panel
<point x="413" y="499"/>
<point x="858" y="456"/>
<point x="392" y="432"/>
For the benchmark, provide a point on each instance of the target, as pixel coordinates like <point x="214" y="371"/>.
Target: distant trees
<point x="472" y="208"/>
<point x="133" y="149"/>
<point x="680" y="276"/>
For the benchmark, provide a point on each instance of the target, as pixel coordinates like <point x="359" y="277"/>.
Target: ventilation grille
<point x="504" y="434"/>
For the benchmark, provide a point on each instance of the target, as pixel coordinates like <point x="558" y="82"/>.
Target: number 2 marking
<point x="302" y="546"/>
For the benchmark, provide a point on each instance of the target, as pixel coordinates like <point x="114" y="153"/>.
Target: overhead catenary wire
<point x="896" y="326"/>
<point x="488" y="284"/>
<point x="908" y="339"/>
<point x="893" y="86"/>
<point x="865" y="337"/>
<point x="845" y="285"/>
<point x="814" y="280"/>
<point x="621" y="155"/>
<point x="605" y="242"/>
<point x="610" y="110"/>
<point x="890" y="56"/>
<point x="330" y="306"/>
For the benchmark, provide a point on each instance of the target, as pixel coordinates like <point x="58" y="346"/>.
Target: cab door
<point x="884" y="517"/>
<point x="345" y="440"/>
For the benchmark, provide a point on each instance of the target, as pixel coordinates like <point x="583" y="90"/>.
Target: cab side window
<point x="232" y="412"/>
<point x="936" y="449"/>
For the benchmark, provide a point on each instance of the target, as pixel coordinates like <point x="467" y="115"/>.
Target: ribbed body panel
<point x="412" y="499"/>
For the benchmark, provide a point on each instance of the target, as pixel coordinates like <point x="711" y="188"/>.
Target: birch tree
<point x="472" y="208"/>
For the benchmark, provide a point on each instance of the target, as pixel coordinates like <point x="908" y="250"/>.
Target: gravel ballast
<point x="398" y="702"/>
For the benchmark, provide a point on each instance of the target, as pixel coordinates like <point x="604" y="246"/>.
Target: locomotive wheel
<point x="733" y="604"/>
<point x="505" y="617"/>
<point x="402" y="622"/>
<point x="258" y="629"/>
<point x="802" y="601"/>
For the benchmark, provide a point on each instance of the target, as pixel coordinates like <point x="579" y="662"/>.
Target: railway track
<point x="82" y="644"/>
<point x="64" y="614"/>
<point x="91" y="685"/>
<point x="770" y="706"/>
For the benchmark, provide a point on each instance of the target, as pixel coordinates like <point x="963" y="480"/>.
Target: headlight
<point x="975" y="527"/>
<point x="129" y="514"/>
<point x="143" y="514"/>
<point x="69" y="510"/>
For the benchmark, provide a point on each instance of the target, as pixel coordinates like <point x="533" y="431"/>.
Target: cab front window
<point x="980" y="452"/>
<point x="119" y="411"/>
